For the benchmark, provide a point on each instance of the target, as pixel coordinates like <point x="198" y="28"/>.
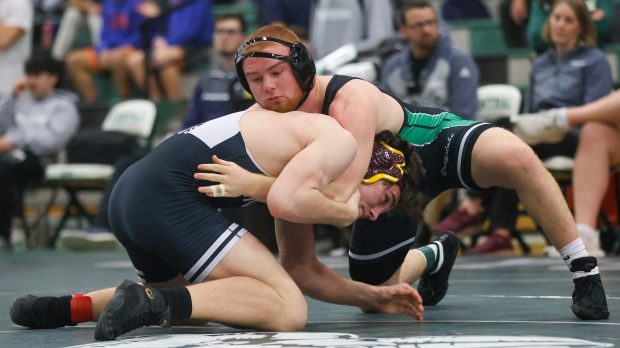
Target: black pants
<point x="15" y="174"/>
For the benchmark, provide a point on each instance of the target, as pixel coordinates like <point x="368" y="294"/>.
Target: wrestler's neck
<point x="314" y="102"/>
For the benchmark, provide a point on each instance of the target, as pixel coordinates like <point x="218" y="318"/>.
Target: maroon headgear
<point x="386" y="163"/>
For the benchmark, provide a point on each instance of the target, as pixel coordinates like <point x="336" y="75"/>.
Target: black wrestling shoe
<point x="131" y="307"/>
<point x="36" y="312"/>
<point x="434" y="285"/>
<point x="589" y="301"/>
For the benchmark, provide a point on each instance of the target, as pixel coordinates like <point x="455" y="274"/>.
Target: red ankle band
<point x="81" y="308"/>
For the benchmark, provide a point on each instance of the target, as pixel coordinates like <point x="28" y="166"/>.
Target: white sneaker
<point x="538" y="127"/>
<point x="88" y="240"/>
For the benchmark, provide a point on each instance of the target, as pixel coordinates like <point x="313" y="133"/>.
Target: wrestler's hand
<point x="235" y="179"/>
<point x="398" y="299"/>
<point x="352" y="210"/>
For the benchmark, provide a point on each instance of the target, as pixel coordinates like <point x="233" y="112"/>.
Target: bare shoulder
<point x="294" y="122"/>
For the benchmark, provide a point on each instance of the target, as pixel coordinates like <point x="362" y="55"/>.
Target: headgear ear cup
<point x="299" y="58"/>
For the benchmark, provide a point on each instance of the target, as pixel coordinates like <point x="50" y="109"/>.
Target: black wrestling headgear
<point x="299" y="57"/>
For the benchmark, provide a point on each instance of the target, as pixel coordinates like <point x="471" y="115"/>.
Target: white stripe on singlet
<point x="460" y="158"/>
<point x="213" y="249"/>
<point x="381" y="253"/>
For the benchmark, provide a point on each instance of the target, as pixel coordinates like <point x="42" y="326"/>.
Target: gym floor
<point x="492" y="302"/>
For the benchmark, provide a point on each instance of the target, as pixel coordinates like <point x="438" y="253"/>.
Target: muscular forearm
<point x="322" y="283"/>
<point x="310" y="207"/>
<point x="259" y="187"/>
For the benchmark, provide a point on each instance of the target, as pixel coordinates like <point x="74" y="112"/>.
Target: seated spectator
<point x="77" y="12"/>
<point x="182" y="29"/>
<point x="430" y="71"/>
<point x="36" y="122"/>
<point x="573" y="71"/>
<point x="597" y="152"/>
<point x="601" y="13"/>
<point x="120" y="35"/>
<point x="216" y="94"/>
<point x="16" y="18"/>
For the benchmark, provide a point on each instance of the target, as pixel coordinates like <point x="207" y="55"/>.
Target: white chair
<point x="134" y="117"/>
<point x="497" y="101"/>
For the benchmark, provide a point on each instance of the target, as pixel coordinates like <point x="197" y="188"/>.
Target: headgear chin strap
<point x="299" y="58"/>
<point x="386" y="163"/>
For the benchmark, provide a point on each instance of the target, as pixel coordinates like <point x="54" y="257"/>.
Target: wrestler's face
<point x="272" y="81"/>
<point x="377" y="198"/>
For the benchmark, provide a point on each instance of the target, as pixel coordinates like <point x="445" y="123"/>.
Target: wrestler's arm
<point x="298" y="257"/>
<point x="299" y="193"/>
<point x="355" y="109"/>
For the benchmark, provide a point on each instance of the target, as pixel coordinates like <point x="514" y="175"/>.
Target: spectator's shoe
<point x="457" y="221"/>
<point x="35" y="312"/>
<point x="493" y="245"/>
<point x="91" y="239"/>
<point x="434" y="285"/>
<point x="131" y="307"/>
<point x="538" y="127"/>
<point x="589" y="301"/>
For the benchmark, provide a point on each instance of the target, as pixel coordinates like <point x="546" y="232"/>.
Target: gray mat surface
<point x="492" y="302"/>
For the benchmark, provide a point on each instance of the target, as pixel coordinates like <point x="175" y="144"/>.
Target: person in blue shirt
<point x="180" y="30"/>
<point x="120" y="35"/>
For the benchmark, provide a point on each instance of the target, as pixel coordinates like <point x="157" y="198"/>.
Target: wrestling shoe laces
<point x="433" y="286"/>
<point x="132" y="306"/>
<point x="589" y="301"/>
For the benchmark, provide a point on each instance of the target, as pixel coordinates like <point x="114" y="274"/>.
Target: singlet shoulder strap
<point x="336" y="82"/>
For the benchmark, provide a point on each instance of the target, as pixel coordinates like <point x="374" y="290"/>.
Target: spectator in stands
<point x="120" y="35"/>
<point x="430" y="71"/>
<point x="76" y="13"/>
<point x="335" y="23"/>
<point x="597" y="152"/>
<point x="601" y="12"/>
<point x="573" y="71"/>
<point x="16" y="18"/>
<point x="216" y="94"/>
<point x="36" y="122"/>
<point x="183" y="29"/>
<point x="453" y="10"/>
<point x="219" y="92"/>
